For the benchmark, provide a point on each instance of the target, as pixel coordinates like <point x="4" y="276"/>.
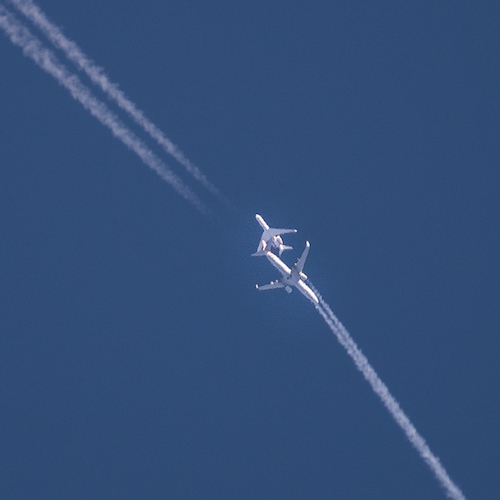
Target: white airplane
<point x="291" y="277"/>
<point x="271" y="238"/>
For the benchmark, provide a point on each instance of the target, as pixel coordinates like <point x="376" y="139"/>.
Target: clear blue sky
<point x="138" y="361"/>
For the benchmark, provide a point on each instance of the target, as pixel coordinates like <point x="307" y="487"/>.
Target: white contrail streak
<point x="99" y="78"/>
<point x="44" y="58"/>
<point x="387" y="398"/>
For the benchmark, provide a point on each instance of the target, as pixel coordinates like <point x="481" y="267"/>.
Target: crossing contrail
<point x="45" y="59"/>
<point x="363" y="365"/>
<point x="99" y="78"/>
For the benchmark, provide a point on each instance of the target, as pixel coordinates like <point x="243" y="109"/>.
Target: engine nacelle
<point x="288" y="289"/>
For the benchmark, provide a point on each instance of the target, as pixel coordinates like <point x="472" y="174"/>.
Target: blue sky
<point x="137" y="359"/>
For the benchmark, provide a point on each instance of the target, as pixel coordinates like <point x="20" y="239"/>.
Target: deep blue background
<point x="138" y="361"/>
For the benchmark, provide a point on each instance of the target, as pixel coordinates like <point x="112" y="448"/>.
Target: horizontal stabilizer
<point x="284" y="247"/>
<point x="261" y="249"/>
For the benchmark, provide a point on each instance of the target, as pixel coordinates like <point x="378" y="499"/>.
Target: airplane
<point x="271" y="238"/>
<point x="291" y="277"/>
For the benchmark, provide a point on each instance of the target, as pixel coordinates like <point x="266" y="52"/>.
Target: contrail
<point x="44" y="58"/>
<point x="343" y="336"/>
<point x="99" y="78"/>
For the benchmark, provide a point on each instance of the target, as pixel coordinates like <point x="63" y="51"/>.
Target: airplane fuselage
<point x="291" y="277"/>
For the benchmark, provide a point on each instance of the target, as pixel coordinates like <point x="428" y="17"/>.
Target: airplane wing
<point x="269" y="232"/>
<point x="299" y="266"/>
<point x="271" y="286"/>
<point x="272" y="231"/>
